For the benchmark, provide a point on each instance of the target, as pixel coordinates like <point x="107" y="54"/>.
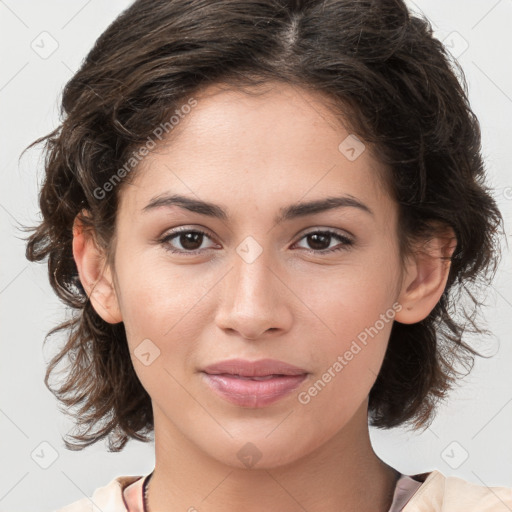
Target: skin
<point x="253" y="155"/>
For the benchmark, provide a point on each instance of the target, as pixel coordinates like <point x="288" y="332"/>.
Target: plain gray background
<point x="471" y="435"/>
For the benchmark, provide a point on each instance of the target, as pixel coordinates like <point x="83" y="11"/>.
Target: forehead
<point x="274" y="140"/>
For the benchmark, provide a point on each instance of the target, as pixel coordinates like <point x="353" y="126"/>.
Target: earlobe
<point x="425" y="278"/>
<point x="95" y="274"/>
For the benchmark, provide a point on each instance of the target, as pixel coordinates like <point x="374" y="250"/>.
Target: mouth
<point x="236" y="376"/>
<point x="260" y="368"/>
<point x="253" y="383"/>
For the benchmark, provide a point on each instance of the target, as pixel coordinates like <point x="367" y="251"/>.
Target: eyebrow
<point x="293" y="211"/>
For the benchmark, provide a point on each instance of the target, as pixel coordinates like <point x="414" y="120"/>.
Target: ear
<point x="95" y="274"/>
<point x="425" y="276"/>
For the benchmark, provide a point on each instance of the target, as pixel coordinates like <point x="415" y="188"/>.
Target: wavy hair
<point x="378" y="66"/>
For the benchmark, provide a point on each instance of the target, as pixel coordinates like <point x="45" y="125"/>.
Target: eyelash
<point x="345" y="245"/>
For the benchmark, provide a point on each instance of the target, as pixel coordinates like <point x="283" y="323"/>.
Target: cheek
<point x="349" y="302"/>
<point x="163" y="313"/>
<point x="356" y="317"/>
<point x="155" y="301"/>
<point x="161" y="325"/>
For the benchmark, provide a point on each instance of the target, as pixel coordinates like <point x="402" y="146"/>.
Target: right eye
<point x="189" y="239"/>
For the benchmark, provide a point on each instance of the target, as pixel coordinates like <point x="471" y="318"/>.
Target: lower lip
<point x="253" y="393"/>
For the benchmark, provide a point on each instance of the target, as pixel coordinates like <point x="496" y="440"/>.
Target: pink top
<point x="405" y="488"/>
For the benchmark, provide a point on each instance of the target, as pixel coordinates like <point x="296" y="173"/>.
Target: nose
<point x="255" y="300"/>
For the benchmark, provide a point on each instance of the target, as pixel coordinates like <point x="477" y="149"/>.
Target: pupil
<point x="315" y="237"/>
<point x="188" y="238"/>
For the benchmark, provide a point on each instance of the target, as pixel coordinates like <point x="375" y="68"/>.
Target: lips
<point x="253" y="383"/>
<point x="260" y="368"/>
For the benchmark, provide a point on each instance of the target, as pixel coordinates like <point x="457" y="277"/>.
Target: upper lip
<point x="259" y="368"/>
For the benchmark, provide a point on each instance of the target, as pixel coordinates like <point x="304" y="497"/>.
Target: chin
<point x="261" y="450"/>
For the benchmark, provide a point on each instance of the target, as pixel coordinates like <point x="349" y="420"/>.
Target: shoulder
<point x="440" y="493"/>
<point x="108" y="498"/>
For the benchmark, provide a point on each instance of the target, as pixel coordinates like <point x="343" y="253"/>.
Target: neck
<point x="343" y="473"/>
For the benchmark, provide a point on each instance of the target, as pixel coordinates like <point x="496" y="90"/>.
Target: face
<point x="313" y="288"/>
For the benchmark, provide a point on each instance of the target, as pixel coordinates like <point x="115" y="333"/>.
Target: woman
<point x="262" y="212"/>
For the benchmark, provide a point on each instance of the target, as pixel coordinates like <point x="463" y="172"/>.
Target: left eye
<point x="316" y="238"/>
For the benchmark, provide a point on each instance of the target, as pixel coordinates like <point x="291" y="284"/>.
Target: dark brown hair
<point x="377" y="65"/>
